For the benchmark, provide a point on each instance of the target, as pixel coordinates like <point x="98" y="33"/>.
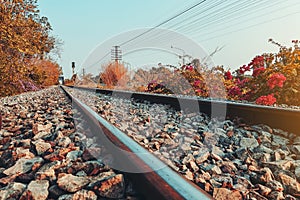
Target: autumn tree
<point x="114" y="74"/>
<point x="24" y="36"/>
<point x="45" y="72"/>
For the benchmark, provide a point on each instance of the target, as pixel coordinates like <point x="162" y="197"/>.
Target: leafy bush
<point x="268" y="79"/>
<point x="273" y="75"/>
<point x="114" y="74"/>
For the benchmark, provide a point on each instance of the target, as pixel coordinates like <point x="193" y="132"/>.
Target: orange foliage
<point x="48" y="72"/>
<point x="24" y="38"/>
<point x="114" y="74"/>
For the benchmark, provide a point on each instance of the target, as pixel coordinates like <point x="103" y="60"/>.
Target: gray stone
<point x="37" y="190"/>
<point x="248" y="142"/>
<point x="210" y="139"/>
<point x="74" y="155"/>
<point x="41" y="146"/>
<point x="224" y="193"/>
<point x="280" y="140"/>
<point x="71" y="183"/>
<point x="296" y="149"/>
<point x="244" y="181"/>
<point x="217" y="151"/>
<point x="266" y="134"/>
<point x="202" y="157"/>
<point x="292" y="186"/>
<point x="24" y="153"/>
<point x="266" y="175"/>
<point x="263" y="149"/>
<point x="276" y="195"/>
<point x="66" y="197"/>
<point x="263" y="190"/>
<point x="211" y="168"/>
<point x="275" y="185"/>
<point x="290" y="197"/>
<point x="194" y="166"/>
<point x="228" y="167"/>
<point x="12" y="191"/>
<point x="111" y="187"/>
<point x="255" y="196"/>
<point x="297" y="173"/>
<point x="22" y="166"/>
<point x="185" y="147"/>
<point x="296" y="141"/>
<point x="278" y="165"/>
<point x="55" y="191"/>
<point x="225" y="180"/>
<point x="64" y="142"/>
<point x="215" y="184"/>
<point x="241" y="153"/>
<point x="81" y="173"/>
<point x="84" y="194"/>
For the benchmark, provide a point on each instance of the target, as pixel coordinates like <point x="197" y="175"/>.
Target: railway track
<point x="151" y="176"/>
<point x="59" y="145"/>
<point x="282" y="118"/>
<point x="203" y="157"/>
<point x="228" y="159"/>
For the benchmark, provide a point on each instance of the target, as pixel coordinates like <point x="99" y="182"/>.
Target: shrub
<point x="114" y="74"/>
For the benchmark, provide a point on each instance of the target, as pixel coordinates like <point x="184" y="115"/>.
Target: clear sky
<point x="241" y="27"/>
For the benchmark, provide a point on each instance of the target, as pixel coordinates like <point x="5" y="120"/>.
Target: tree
<point x="24" y="36"/>
<point x="114" y="74"/>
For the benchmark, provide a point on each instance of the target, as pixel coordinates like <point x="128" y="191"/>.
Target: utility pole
<point x="183" y="54"/>
<point x="116" y="54"/>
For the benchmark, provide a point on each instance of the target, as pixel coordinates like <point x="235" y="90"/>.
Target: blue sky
<point x="83" y="25"/>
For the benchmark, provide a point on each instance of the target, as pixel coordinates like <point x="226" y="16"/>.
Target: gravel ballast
<point x="228" y="159"/>
<point x="45" y="155"/>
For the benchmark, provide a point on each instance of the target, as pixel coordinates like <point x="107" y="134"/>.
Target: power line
<point x="264" y="22"/>
<point x="250" y="19"/>
<point x="215" y="12"/>
<point x="167" y="38"/>
<point x="164" y="22"/>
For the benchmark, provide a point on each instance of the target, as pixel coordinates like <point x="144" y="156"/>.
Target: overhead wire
<point x="159" y="37"/>
<point x="249" y="6"/>
<point x="193" y="11"/>
<point x="160" y="24"/>
<point x="210" y="14"/>
<point x="246" y="14"/>
<point x="202" y="27"/>
<point x="250" y="26"/>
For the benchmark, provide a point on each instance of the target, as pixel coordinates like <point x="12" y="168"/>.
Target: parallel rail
<point x="282" y="118"/>
<point x="159" y="181"/>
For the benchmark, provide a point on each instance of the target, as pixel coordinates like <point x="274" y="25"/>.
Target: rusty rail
<point x="286" y="119"/>
<point x="159" y="181"/>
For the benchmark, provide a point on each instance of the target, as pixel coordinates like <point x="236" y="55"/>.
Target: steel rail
<point x="287" y="119"/>
<point x="159" y="181"/>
